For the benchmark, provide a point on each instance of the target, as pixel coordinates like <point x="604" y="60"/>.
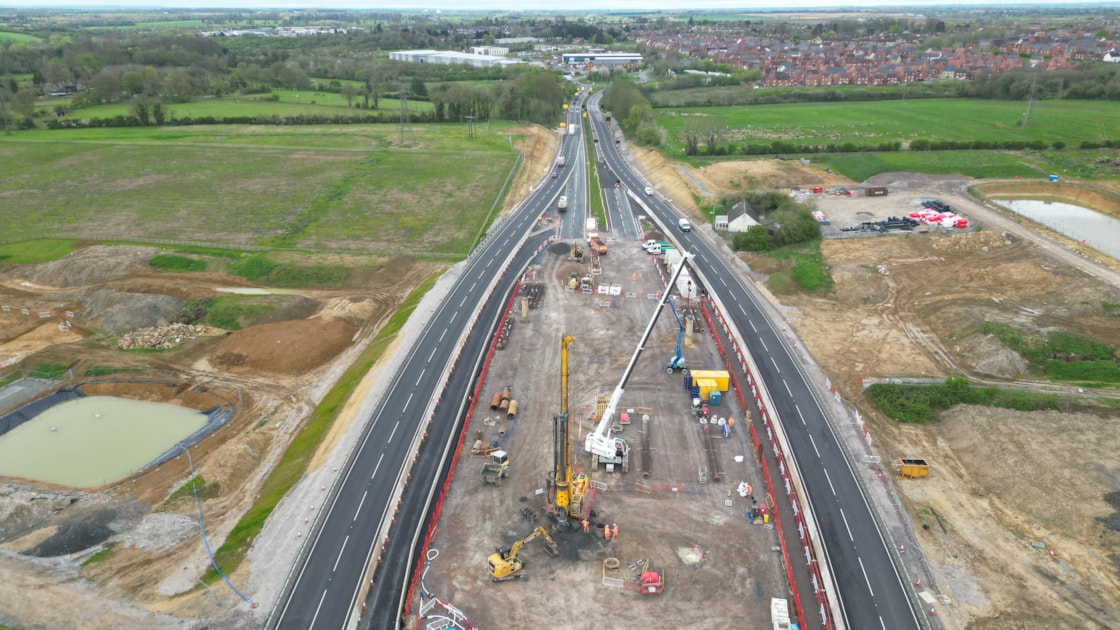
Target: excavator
<point x="605" y="448"/>
<point x="567" y="489"/>
<point x="677" y="362"/>
<point x="505" y="564"/>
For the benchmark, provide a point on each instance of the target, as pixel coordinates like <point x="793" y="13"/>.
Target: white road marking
<point x="742" y="310"/>
<point x="752" y="325"/>
<point x="341" y="549"/>
<point x="473" y="285"/>
<point x="360" y="504"/>
<point x="869" y="589"/>
<point x="432" y="354"/>
<point x="815" y="446"/>
<point x="829" y="481"/>
<point x="316" y="615"/>
<point x="775" y="365"/>
<point x="461" y="301"/>
<point x="378" y="466"/>
<point x="799" y="414"/>
<point x="721" y="281"/>
<point x="408" y="401"/>
<point x="418" y="378"/>
<point x="787" y="388"/>
<point x="846" y="526"/>
<point x="390" y="440"/>
<point x="763" y="344"/>
<point x="442" y="334"/>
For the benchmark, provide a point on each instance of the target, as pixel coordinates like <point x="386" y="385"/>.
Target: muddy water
<point x="94" y="440"/>
<point x="1099" y="231"/>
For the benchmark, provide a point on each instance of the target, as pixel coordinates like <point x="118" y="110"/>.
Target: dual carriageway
<point x="382" y="501"/>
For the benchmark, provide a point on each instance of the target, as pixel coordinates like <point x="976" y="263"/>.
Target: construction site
<point x="667" y="518"/>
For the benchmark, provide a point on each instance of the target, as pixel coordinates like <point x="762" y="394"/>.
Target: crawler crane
<point x="613" y="451"/>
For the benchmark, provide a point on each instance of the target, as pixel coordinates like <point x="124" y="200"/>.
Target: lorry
<point x="562" y="204"/>
<point x="597" y="242"/>
<point x="560" y="161"/>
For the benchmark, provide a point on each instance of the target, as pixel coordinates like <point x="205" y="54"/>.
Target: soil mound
<point x="92" y="265"/>
<point x="287" y="348"/>
<point x="116" y="313"/>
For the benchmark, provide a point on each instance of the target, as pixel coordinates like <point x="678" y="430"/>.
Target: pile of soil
<point x="90" y="265"/>
<point x="287" y="348"/>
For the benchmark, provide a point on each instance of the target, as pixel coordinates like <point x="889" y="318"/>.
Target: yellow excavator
<point x="506" y="565"/>
<point x="568" y="489"/>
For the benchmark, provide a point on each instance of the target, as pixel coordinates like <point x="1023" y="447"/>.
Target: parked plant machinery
<point x="677" y="362"/>
<point x="567" y="489"/>
<point x="603" y="447"/>
<point x="576" y="252"/>
<point x="506" y="564"/>
<point x="496" y="468"/>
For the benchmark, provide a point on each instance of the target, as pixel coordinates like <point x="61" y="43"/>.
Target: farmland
<point x="317" y="187"/>
<point x="871" y="123"/>
<point x="278" y="103"/>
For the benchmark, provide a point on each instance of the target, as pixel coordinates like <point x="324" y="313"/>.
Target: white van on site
<point x="655" y="249"/>
<point x="684" y="225"/>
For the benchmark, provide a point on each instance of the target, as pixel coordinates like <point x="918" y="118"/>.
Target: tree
<point x="141" y="110"/>
<point x="157" y="113"/>
<point x="691" y="134"/>
<point x="348" y="92"/>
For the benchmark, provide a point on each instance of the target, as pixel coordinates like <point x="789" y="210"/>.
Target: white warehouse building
<point x="600" y="59"/>
<point x="449" y="57"/>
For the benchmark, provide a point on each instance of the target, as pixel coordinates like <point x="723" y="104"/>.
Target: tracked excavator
<point x="605" y="448"/>
<point x="567" y="488"/>
<point x="506" y="564"/>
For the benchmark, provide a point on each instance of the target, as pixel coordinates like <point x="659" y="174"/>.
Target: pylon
<point x="902" y="549"/>
<point x="932" y="612"/>
<point x="918" y="583"/>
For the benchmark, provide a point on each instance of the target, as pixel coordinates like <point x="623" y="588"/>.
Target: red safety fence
<point x="783" y="470"/>
<point x="458" y="448"/>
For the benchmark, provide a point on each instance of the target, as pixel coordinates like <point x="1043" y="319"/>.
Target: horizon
<point x="484" y="6"/>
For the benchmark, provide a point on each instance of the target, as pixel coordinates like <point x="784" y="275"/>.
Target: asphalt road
<point x="323" y="591"/>
<point x="872" y="595"/>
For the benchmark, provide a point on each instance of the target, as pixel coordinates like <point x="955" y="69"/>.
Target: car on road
<point x="684" y="226"/>
<point x="649" y="191"/>
<point x="555" y="174"/>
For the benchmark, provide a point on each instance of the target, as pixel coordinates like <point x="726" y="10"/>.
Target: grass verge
<point x="294" y="462"/>
<point x="1059" y="355"/>
<point x="596" y="196"/>
<point x="100" y="556"/>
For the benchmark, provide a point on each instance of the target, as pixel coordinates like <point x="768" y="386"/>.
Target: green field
<point x="332" y="188"/>
<point x="870" y="123"/>
<point x="21" y="38"/>
<point x="979" y="164"/>
<point x="290" y="103"/>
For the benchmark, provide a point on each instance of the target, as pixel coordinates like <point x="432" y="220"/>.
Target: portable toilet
<point x="714" y="397"/>
<point x="1053" y="178"/>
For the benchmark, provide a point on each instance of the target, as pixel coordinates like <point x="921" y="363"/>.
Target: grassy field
<point x="290" y="103"/>
<point x="310" y="187"/>
<point x="869" y="124"/>
<point x="18" y="38"/>
<point x="980" y="164"/>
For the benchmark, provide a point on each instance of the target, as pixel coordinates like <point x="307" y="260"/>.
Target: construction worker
<point x="585" y="524"/>
<point x="606" y="533"/>
<point x="614" y="531"/>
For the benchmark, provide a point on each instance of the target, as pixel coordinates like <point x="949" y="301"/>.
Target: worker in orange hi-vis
<point x="606" y="533"/>
<point x="730" y="422"/>
<point x="584" y="522"/>
<point x="614" y="531"/>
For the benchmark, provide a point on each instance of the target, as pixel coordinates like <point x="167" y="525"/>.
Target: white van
<point x="684" y="225"/>
<point x="655" y="249"/>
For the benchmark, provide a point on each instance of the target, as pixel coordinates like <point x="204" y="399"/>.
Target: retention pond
<point x="1099" y="231"/>
<point x="91" y="441"/>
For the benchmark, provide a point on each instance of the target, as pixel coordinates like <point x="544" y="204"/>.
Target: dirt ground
<point x="720" y="569"/>
<point x="274" y="371"/>
<point x="1006" y="487"/>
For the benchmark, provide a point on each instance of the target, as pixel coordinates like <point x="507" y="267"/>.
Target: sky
<point x="529" y="5"/>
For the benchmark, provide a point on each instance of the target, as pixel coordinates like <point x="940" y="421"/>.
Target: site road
<point x="871" y="591"/>
<point x="323" y="589"/>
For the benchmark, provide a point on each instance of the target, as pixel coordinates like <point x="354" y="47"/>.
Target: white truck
<point x="562" y="204"/>
<point x="560" y="161"/>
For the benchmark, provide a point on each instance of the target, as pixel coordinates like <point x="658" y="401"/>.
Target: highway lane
<point x="872" y="595"/>
<point x="323" y="589"/>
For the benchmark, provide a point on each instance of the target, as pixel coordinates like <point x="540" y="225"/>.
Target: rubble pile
<point x="163" y="337"/>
